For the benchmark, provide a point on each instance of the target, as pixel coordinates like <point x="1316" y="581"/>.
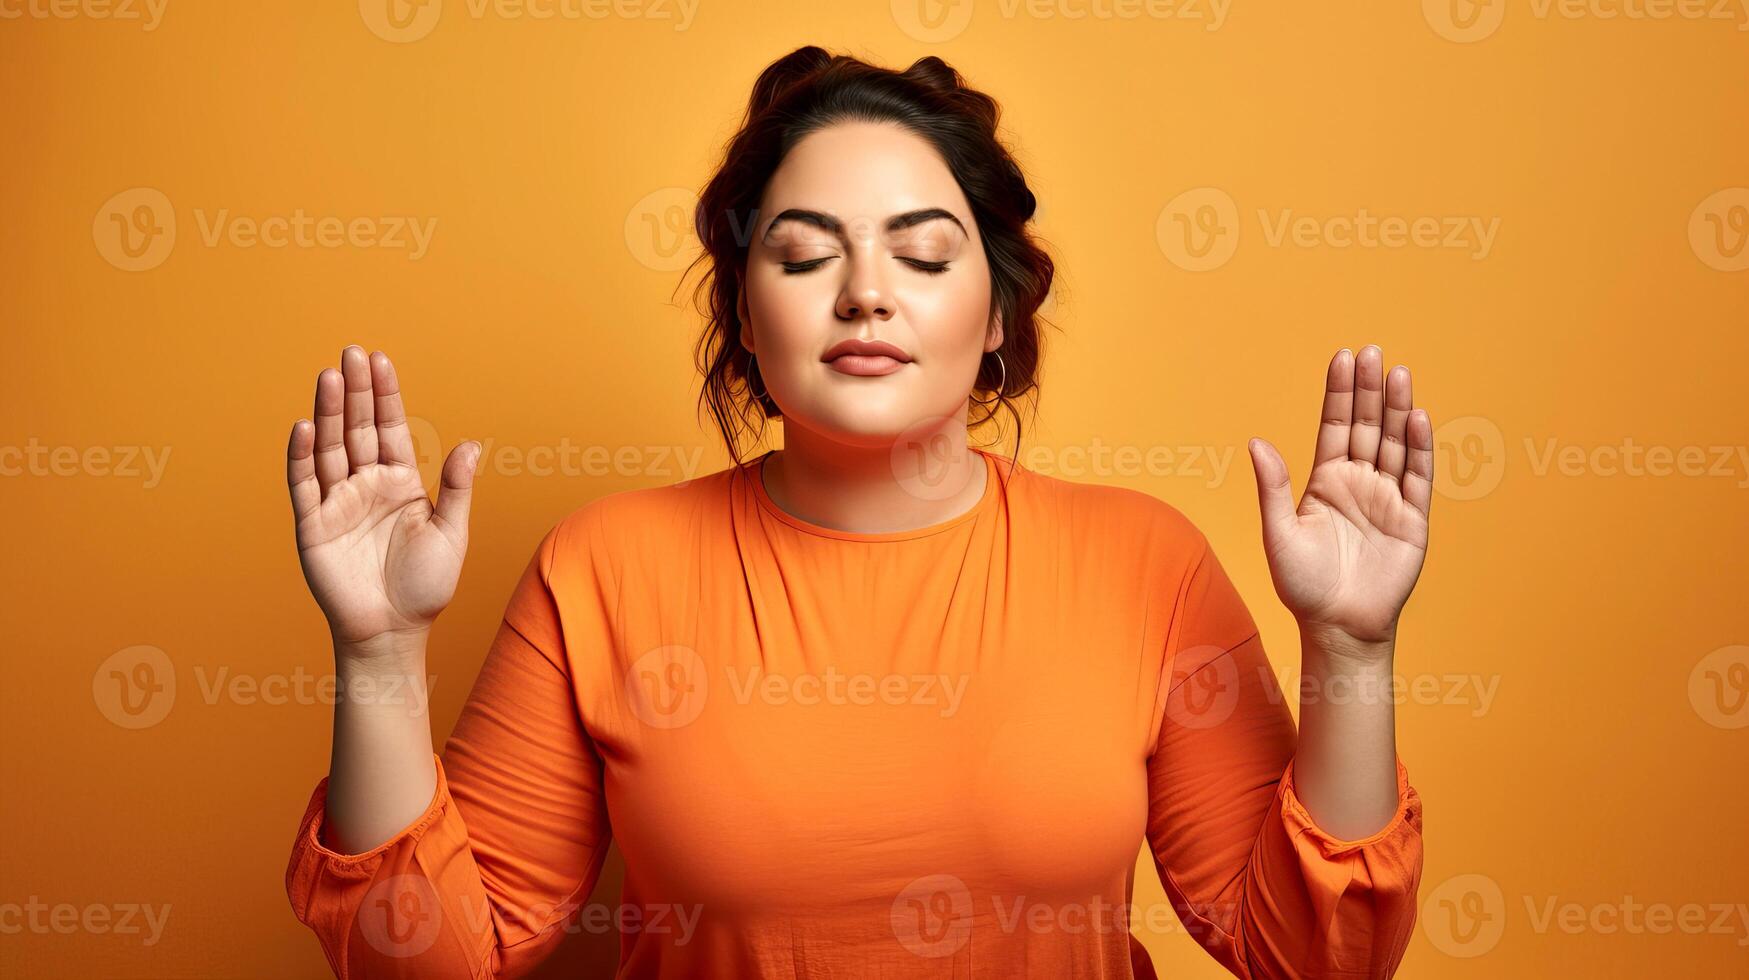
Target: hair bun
<point x="936" y="74"/>
<point x="784" y="72"/>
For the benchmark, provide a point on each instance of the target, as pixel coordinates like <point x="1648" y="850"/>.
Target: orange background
<point x="1603" y="607"/>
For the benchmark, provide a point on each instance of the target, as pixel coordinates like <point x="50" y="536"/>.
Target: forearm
<point x="1345" y="768"/>
<point x="380" y="776"/>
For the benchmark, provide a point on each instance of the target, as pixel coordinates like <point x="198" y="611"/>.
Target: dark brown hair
<point x="809" y="89"/>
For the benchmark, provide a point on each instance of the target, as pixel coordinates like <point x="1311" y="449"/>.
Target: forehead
<point x="863" y="170"/>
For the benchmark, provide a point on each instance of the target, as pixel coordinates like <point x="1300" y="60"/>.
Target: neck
<point x="876" y="489"/>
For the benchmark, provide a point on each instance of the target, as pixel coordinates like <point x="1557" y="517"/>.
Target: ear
<point x="994" y="336"/>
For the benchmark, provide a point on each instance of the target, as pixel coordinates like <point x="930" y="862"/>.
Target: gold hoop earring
<point x="999" y="385"/>
<point x="752" y="368"/>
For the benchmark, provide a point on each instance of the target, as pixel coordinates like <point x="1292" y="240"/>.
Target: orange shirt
<point x="927" y="753"/>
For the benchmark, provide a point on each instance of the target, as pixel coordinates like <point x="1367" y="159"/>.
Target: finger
<point x="457" y="489"/>
<point x="300" y="469"/>
<point x="1418" y="478"/>
<point x="1338" y="413"/>
<point x="1369" y="405"/>
<point x="361" y="419"/>
<point x="1275" y="498"/>
<point x="394" y="439"/>
<point x="1392" y="450"/>
<point x="330" y="451"/>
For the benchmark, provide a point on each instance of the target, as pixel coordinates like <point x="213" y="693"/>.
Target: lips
<point x="865" y="358"/>
<point x="866" y="348"/>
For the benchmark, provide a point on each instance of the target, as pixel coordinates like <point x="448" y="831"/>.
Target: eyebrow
<point x="828" y="223"/>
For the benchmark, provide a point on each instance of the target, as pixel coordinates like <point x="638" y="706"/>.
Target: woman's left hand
<point x="1345" y="560"/>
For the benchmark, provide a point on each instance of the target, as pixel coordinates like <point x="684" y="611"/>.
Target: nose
<point x="865" y="292"/>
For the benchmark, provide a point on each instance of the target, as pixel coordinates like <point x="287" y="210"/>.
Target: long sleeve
<point x="1260" y="885"/>
<point x="480" y="884"/>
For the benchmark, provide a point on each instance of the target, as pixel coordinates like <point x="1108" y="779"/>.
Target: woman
<point x="882" y="703"/>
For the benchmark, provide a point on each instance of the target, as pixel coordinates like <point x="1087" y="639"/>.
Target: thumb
<point x="1275" y="495"/>
<point x="457" y="488"/>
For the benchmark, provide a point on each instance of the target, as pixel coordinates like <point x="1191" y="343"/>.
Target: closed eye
<point x="921" y="265"/>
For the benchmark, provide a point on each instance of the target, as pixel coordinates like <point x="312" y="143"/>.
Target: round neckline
<point x="770" y="506"/>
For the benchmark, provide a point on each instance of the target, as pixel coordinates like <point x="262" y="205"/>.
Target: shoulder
<point x="1118" y="517"/>
<point x="639" y="521"/>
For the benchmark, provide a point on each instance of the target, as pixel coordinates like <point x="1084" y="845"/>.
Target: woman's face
<point x="864" y="235"/>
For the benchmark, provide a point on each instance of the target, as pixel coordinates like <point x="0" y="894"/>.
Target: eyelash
<point x="927" y="268"/>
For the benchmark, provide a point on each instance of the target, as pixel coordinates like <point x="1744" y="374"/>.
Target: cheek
<point x="785" y="310"/>
<point x="950" y="318"/>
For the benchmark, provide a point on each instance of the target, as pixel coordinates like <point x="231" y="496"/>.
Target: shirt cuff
<point x="1300" y="821"/>
<point x="309" y="830"/>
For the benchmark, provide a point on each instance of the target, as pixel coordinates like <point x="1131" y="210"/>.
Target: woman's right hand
<point x="381" y="561"/>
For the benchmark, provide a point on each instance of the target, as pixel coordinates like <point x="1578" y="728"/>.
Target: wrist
<point x="1339" y="649"/>
<point x="392" y="651"/>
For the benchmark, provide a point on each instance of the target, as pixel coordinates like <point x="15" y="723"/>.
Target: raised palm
<point x="1347" y="557"/>
<point x="378" y="556"/>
